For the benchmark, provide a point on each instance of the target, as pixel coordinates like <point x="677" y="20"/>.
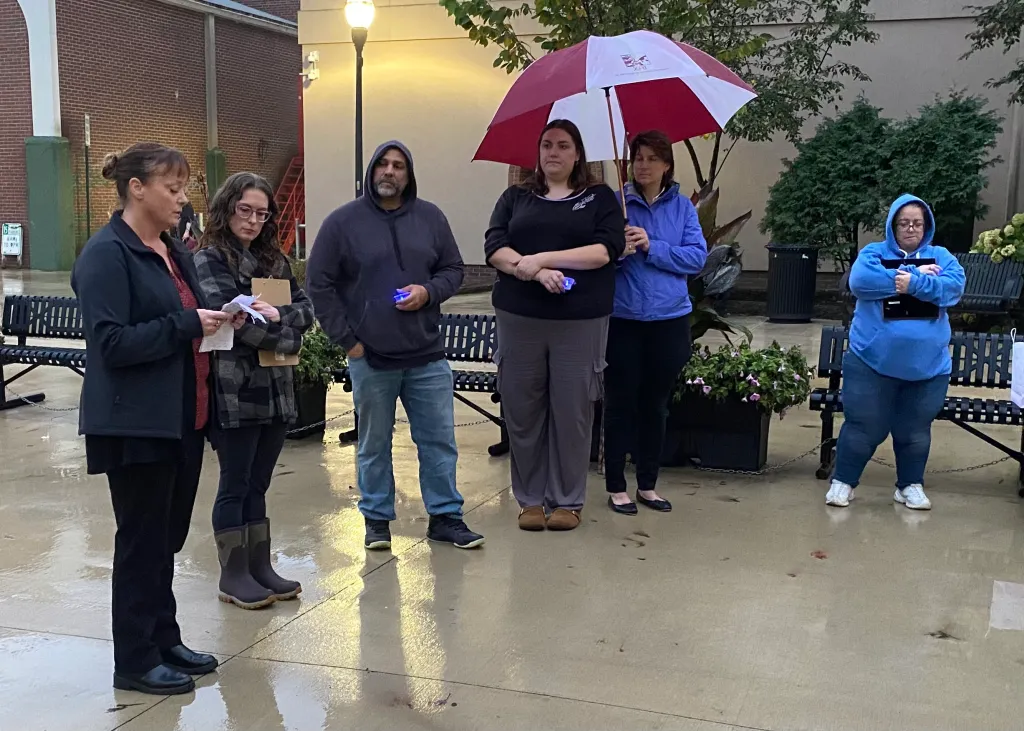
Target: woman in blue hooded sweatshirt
<point x="649" y="333"/>
<point x="896" y="371"/>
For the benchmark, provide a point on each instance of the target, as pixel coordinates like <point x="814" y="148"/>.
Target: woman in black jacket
<point x="145" y="406"/>
<point x="254" y="403"/>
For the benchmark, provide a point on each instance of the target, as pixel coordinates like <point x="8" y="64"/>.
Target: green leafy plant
<point x="773" y="378"/>
<point x="722" y="269"/>
<point x="941" y="156"/>
<point x="318" y="359"/>
<point x="1000" y="23"/>
<point x="1003" y="243"/>
<point x="829" y="193"/>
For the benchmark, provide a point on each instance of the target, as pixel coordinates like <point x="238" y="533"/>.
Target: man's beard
<point x="387" y="188"/>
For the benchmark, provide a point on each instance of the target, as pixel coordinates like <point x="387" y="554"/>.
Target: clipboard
<point x="906" y="306"/>
<point x="275" y="292"/>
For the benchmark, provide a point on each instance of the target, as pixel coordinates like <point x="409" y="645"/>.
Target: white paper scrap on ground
<point x="1007" y="611"/>
<point x="224" y="338"/>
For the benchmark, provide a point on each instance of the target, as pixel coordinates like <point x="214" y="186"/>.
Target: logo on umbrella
<point x="635" y="64"/>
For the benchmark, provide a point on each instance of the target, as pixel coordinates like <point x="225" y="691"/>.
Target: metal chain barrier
<point x="308" y="428"/>
<point x="994" y="462"/>
<point x="400" y="420"/>
<point x="19" y="397"/>
<point x="753" y="473"/>
<point x="766" y="470"/>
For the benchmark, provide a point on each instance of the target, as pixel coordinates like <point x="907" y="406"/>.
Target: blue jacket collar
<point x="634" y="196"/>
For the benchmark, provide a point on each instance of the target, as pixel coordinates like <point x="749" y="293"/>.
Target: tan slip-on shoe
<point x="532" y="518"/>
<point x="562" y="519"/>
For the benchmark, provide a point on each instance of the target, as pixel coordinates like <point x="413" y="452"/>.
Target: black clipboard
<point x="905" y="306"/>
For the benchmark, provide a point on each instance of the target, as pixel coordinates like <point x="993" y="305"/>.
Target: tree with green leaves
<point x="941" y="156"/>
<point x="829" y="193"/>
<point x="1001" y="23"/>
<point x="794" y="72"/>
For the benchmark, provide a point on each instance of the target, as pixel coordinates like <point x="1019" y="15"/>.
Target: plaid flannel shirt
<point x="246" y="393"/>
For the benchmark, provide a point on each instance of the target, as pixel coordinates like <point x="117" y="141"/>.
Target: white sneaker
<point x="913" y="497"/>
<point x="839" y="495"/>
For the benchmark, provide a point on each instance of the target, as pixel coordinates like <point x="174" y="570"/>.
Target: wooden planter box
<point x="311" y="400"/>
<point x="729" y="434"/>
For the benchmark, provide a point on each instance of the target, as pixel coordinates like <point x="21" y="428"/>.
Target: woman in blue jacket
<point x="649" y="333"/>
<point x="896" y="371"/>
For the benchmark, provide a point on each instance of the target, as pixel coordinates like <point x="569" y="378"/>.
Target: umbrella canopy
<point x="653" y="83"/>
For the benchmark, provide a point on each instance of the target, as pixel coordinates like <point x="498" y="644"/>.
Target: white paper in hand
<point x="243" y="303"/>
<point x="224" y="338"/>
<point x="1017" y="372"/>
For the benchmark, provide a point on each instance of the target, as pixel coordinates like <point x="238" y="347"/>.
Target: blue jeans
<point x="426" y="394"/>
<point x="875" y="406"/>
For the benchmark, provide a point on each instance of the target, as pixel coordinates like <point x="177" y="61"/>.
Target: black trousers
<point x="247" y="457"/>
<point x="153" y="508"/>
<point x="644" y="361"/>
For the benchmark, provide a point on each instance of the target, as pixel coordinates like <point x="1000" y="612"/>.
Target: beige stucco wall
<point x="425" y="83"/>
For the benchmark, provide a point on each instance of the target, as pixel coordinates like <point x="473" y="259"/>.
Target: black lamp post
<point x="359" y="14"/>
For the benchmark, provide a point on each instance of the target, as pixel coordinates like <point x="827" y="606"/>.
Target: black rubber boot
<point x="237" y="586"/>
<point x="260" y="566"/>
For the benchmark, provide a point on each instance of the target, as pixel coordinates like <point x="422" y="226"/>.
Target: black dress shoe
<point x="186" y="661"/>
<point x="161" y="680"/>
<point x="627" y="509"/>
<point x="662" y="506"/>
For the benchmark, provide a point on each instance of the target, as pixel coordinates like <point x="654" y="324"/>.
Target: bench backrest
<point x="42" y="317"/>
<point x="985" y="278"/>
<point x="469" y="338"/>
<point x="979" y="359"/>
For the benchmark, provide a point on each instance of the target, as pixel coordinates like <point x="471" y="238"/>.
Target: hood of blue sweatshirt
<point x="911" y="350"/>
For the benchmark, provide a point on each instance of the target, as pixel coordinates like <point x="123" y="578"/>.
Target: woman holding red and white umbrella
<point x="606" y="86"/>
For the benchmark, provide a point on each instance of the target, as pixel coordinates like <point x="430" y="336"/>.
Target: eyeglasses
<point x="247" y="212"/>
<point x="909" y="225"/>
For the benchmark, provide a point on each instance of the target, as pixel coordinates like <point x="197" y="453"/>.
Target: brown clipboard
<point x="276" y="292"/>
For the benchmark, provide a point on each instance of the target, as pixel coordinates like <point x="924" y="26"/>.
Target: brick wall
<point x="15" y="117"/>
<point x="152" y="88"/>
<point x="257" y="105"/>
<point x="287" y="9"/>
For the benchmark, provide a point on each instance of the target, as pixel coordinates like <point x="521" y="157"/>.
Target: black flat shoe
<point x="662" y="506"/>
<point x="161" y="680"/>
<point x="627" y="509"/>
<point x="186" y="661"/>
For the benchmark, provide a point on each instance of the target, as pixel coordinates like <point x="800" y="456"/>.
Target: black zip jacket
<point x="137" y="335"/>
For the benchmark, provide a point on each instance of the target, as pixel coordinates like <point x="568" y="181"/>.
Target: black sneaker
<point x="452" y="529"/>
<point x="378" y="535"/>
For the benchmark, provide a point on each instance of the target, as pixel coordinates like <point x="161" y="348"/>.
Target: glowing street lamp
<point x="359" y="14"/>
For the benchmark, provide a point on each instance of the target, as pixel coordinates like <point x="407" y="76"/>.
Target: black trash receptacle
<point x="792" y="273"/>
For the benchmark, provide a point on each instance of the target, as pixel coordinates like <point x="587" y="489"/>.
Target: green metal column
<point x="51" y="206"/>
<point x="216" y="170"/>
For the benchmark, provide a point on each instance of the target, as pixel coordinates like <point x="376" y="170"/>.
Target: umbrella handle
<point x="615" y="147"/>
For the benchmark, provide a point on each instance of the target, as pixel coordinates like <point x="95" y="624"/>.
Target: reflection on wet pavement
<point x="763" y="610"/>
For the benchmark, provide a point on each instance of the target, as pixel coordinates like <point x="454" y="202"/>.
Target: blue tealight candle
<point x="568" y="283"/>
<point x="400" y="295"/>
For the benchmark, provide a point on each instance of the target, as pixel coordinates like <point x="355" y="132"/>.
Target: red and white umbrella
<point x="643" y="79"/>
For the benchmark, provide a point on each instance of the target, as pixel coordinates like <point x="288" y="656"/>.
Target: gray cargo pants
<point x="549" y="377"/>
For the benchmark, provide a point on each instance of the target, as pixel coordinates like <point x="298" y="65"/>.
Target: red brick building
<point x="139" y="69"/>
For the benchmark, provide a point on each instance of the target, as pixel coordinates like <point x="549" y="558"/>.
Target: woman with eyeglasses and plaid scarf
<point x="253" y="404"/>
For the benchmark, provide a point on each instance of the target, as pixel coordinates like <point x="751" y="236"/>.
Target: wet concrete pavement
<point x="750" y="606"/>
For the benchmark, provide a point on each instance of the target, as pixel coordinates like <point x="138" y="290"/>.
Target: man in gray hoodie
<point x="379" y="270"/>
